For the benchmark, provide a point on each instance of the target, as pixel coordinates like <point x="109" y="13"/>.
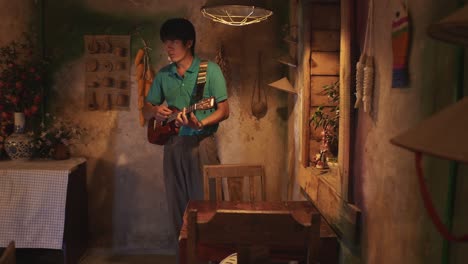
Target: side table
<point x="44" y="205"/>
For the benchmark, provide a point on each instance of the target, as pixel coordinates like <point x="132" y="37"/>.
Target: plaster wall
<point x="16" y="19"/>
<point x="126" y="191"/>
<point x="396" y="227"/>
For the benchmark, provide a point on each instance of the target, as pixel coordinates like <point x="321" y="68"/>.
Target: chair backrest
<point x="233" y="180"/>
<point x="253" y="233"/>
<point x="9" y="255"/>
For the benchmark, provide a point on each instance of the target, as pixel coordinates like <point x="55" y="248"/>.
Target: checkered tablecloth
<point x="32" y="202"/>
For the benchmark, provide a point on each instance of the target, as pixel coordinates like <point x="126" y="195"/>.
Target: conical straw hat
<point x="444" y="134"/>
<point x="453" y="28"/>
<point x="284" y="85"/>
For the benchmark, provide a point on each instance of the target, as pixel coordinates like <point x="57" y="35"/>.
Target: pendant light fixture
<point x="236" y="12"/>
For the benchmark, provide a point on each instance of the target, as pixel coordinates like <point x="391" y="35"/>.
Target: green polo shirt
<point x="178" y="91"/>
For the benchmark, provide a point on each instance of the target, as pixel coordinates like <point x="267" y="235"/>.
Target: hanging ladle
<point x="259" y="102"/>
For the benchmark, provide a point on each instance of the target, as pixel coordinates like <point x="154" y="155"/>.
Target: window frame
<point x="331" y="197"/>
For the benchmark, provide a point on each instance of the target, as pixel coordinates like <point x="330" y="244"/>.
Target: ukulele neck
<point x="173" y="116"/>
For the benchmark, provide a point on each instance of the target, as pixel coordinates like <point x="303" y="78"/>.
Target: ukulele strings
<point x="173" y="116"/>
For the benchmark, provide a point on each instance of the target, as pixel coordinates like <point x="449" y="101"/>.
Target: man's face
<point x="176" y="50"/>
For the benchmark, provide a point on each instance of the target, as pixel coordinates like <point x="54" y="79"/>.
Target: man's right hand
<point x="161" y="112"/>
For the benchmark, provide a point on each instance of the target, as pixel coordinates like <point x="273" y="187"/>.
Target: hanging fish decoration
<point x="400" y="46"/>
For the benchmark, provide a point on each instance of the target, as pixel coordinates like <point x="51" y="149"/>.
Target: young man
<point x="195" y="145"/>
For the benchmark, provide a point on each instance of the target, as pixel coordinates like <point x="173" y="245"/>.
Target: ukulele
<point x="159" y="132"/>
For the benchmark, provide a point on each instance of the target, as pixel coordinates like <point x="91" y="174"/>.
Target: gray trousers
<point x="184" y="158"/>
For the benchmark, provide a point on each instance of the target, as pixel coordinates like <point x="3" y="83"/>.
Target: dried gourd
<point x="139" y="71"/>
<point x="141" y="102"/>
<point x="147" y="87"/>
<point x="142" y="119"/>
<point x="139" y="56"/>
<point x="141" y="87"/>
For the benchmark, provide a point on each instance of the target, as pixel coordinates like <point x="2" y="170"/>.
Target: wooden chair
<point x="232" y="179"/>
<point x="253" y="233"/>
<point x="9" y="255"/>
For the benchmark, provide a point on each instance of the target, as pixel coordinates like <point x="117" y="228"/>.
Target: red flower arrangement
<point x="22" y="72"/>
<point x="21" y="79"/>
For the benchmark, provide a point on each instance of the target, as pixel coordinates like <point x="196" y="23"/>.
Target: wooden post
<point x="304" y="78"/>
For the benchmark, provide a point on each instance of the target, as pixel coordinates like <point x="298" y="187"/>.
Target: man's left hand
<point x="191" y="122"/>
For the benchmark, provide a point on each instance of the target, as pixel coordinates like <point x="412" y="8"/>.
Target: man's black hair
<point x="178" y="29"/>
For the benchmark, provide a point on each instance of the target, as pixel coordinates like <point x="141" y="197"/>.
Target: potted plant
<point x="327" y="118"/>
<point x="56" y="137"/>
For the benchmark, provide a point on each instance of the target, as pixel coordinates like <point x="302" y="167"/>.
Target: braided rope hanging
<point x="365" y="65"/>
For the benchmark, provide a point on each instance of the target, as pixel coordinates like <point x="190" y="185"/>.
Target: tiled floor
<point x="128" y="259"/>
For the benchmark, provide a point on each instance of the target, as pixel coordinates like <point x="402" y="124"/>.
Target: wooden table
<point x="301" y="211"/>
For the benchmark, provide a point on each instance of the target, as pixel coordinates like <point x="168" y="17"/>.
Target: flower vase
<point x="19" y="146"/>
<point x="61" y="152"/>
<point x="6" y="128"/>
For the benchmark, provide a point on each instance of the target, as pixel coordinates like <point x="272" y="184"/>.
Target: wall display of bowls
<point x="107" y="72"/>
